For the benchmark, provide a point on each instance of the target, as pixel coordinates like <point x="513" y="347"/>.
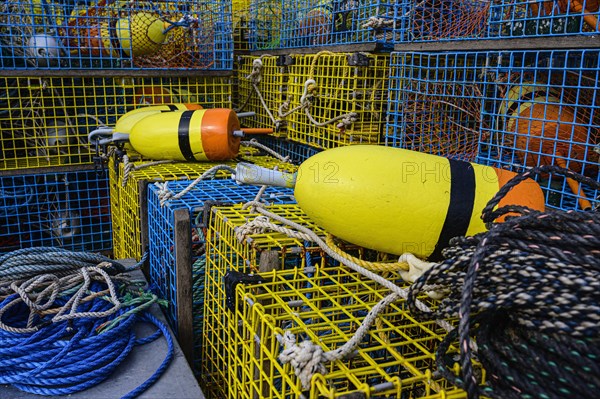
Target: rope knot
<point x="307" y="358"/>
<point x="256" y="226"/>
<point x="347" y="120"/>
<point x="377" y="23"/>
<point x="164" y="194"/>
<point x="256" y="74"/>
<point x="310" y="88"/>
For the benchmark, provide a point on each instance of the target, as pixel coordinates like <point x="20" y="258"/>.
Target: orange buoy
<point x="548" y="132"/>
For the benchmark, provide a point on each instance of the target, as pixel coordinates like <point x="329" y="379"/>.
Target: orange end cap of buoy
<point x="527" y="193"/>
<point x="218" y="141"/>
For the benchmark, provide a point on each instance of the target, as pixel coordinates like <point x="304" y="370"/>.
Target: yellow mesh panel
<point x="342" y="85"/>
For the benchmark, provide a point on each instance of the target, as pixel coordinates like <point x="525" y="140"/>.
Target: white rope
<point x="304" y="233"/>
<point x="308" y="359"/>
<point x="306" y="104"/>
<point x="129" y="167"/>
<point x="256" y="144"/>
<point x="378" y="23"/>
<point x="255" y="77"/>
<point x="165" y="194"/>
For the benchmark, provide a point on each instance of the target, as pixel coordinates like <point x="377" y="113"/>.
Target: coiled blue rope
<point x="65" y="357"/>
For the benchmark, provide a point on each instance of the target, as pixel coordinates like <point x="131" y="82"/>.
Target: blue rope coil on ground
<point x="61" y="335"/>
<point x="528" y="292"/>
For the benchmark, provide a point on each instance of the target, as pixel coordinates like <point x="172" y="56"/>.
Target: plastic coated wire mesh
<point x="161" y="231"/>
<point x="268" y="81"/>
<point x="519" y="18"/>
<point x="333" y="86"/>
<point x="309" y="23"/>
<point x="436" y="20"/>
<point x="326" y="304"/>
<point x="68" y="209"/>
<point x="435" y="103"/>
<point x="543" y="108"/>
<point x="297" y="152"/>
<point x="130" y="234"/>
<point x="264" y="24"/>
<point x="169" y="34"/>
<point x="224" y="252"/>
<point x="45" y="121"/>
<point x="240" y="12"/>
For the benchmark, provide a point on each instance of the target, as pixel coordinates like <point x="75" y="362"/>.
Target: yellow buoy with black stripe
<point x="194" y="135"/>
<point x="128" y="120"/>
<point x="395" y="200"/>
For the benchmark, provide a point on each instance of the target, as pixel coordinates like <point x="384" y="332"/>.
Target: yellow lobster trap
<point x="45" y="121"/>
<point x="325" y="306"/>
<point x="337" y="99"/>
<point x="128" y="190"/>
<point x="262" y="88"/>
<point x="228" y="248"/>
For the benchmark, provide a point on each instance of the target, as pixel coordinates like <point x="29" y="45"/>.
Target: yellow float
<point x="395" y="200"/>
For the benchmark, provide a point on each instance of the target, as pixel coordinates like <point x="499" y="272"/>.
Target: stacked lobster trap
<point x="517" y="18"/>
<point x="63" y="209"/>
<point x="170" y="34"/>
<point x="189" y="213"/>
<point x="337" y="99"/>
<point x="129" y="188"/>
<point x="435" y="103"/>
<point x="290" y="24"/>
<point x="262" y="89"/>
<point x="262" y="283"/>
<point x="543" y="109"/>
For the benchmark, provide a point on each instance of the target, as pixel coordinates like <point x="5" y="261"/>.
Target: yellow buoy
<point x="198" y="135"/>
<point x="141" y="34"/>
<point x="395" y="200"/>
<point x="126" y="122"/>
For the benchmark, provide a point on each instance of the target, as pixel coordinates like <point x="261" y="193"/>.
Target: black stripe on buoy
<point x="172" y="107"/>
<point x="462" y="201"/>
<point x="529" y="97"/>
<point x="183" y="133"/>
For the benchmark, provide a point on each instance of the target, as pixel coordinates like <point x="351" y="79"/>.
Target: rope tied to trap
<point x="310" y="93"/>
<point x="308" y="358"/>
<point x="255" y="78"/>
<point x="165" y="194"/>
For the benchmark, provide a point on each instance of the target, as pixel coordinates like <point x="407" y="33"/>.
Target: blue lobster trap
<point x="439" y="20"/>
<point x="100" y="34"/>
<point x="297" y="152"/>
<point x="519" y="18"/>
<point x="543" y="108"/>
<point x="46" y="121"/>
<point x="435" y="103"/>
<point x="194" y="206"/>
<point x="310" y="23"/>
<point x="70" y="210"/>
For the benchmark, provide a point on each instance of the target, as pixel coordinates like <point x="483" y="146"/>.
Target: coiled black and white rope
<point x="528" y="292"/>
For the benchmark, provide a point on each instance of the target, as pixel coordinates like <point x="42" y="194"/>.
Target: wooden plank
<point x="112" y="73"/>
<point x="269" y="261"/>
<point x="183" y="273"/>
<point x="143" y="201"/>
<point x="46" y="170"/>
<point x="533" y="43"/>
<point x="342" y="48"/>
